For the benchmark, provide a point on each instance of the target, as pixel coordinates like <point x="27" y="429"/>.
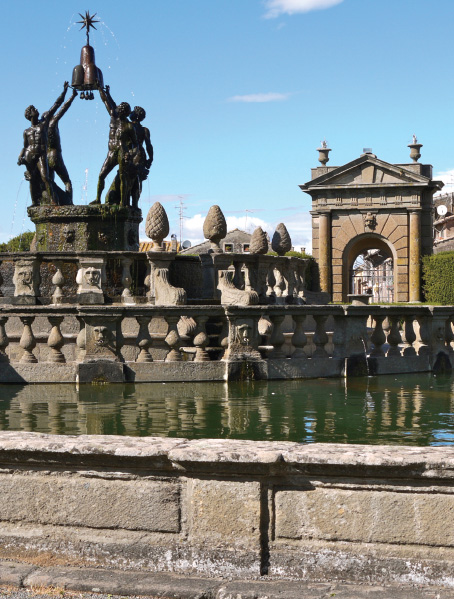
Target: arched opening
<point x="369" y="268"/>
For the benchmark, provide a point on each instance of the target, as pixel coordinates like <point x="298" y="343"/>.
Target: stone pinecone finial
<point x="259" y="242"/>
<point x="157" y="226"/>
<point x="215" y="228"/>
<point x="281" y="242"/>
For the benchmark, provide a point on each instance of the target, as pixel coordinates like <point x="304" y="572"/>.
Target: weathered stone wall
<point x="229" y="508"/>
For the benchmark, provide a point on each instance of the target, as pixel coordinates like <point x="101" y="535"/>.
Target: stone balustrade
<point x="124" y="342"/>
<point x="159" y="278"/>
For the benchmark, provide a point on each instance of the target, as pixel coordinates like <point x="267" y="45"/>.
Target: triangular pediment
<point x="367" y="170"/>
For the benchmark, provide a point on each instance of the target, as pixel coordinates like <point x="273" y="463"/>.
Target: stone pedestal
<point x="81" y="228"/>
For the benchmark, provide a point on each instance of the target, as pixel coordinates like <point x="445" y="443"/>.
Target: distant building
<point x="235" y="242"/>
<point x="443" y="223"/>
<point x="171" y="245"/>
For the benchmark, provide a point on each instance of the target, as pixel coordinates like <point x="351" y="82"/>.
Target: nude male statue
<point x="143" y="137"/>
<point x="34" y="153"/>
<point x="54" y="154"/>
<point x="122" y="141"/>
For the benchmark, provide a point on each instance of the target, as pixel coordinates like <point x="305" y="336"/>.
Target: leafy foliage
<point x="438" y="278"/>
<point x="21" y="243"/>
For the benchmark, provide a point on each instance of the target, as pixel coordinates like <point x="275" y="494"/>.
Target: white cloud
<point x="448" y="179"/>
<point x="268" y="97"/>
<point x="291" y="7"/>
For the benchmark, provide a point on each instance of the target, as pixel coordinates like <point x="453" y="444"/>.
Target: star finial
<point x="87" y="22"/>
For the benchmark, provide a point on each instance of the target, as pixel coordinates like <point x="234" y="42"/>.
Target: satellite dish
<point x="441" y="210"/>
<point x="186" y="244"/>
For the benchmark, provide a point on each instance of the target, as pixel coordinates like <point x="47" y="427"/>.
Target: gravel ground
<point x="9" y="593"/>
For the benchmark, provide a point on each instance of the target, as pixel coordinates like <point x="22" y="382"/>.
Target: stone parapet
<point x="375" y="514"/>
<point x="122" y="342"/>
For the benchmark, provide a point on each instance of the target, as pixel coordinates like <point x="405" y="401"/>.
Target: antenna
<point x="181" y="208"/>
<point x="247" y="211"/>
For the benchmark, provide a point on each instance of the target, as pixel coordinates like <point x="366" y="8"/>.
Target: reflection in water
<point x="403" y="409"/>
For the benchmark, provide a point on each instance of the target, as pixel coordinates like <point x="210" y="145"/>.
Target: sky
<point x="238" y="94"/>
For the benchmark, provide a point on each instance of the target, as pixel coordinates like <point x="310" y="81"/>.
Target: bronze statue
<point x="34" y="153"/>
<point x="54" y="155"/>
<point x="143" y="137"/>
<point x="123" y="146"/>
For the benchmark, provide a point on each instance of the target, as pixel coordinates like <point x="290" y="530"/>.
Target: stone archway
<point x="369" y="199"/>
<point x="376" y="281"/>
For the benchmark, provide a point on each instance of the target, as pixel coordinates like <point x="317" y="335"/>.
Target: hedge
<point x="438" y="278"/>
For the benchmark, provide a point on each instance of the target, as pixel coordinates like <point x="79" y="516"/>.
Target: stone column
<point x="324" y="251"/>
<point x="414" y="278"/>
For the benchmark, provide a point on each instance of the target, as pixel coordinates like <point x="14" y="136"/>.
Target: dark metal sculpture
<point x="86" y="75"/>
<point x="123" y="151"/>
<point x="143" y="138"/>
<point x="54" y="154"/>
<point x="34" y="153"/>
<point x="130" y="147"/>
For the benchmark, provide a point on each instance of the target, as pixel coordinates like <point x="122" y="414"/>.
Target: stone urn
<point x="157" y="226"/>
<point x="215" y="228"/>
<point x="259" y="242"/>
<point x="281" y="242"/>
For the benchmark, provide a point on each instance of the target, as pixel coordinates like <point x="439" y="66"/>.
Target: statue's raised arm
<point x="107" y="100"/>
<point x="58" y="102"/>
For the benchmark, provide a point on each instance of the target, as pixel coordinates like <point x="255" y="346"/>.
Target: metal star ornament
<point x="87" y="22"/>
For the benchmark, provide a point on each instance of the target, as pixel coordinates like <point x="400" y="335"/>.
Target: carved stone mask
<point x="92" y="277"/>
<point x="370" y="220"/>
<point x="101" y="335"/>
<point x="69" y="235"/>
<point x="24" y="276"/>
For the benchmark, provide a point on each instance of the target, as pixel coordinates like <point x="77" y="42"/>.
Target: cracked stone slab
<point x="13" y="573"/>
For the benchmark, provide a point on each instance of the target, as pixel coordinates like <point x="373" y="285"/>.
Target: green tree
<point x="20" y="243"/>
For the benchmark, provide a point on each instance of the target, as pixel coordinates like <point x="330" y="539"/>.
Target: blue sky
<point x="238" y="95"/>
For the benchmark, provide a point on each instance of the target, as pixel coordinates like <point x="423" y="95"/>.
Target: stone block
<point x="82" y="501"/>
<point x="366" y="517"/>
<point x="239" y="505"/>
<point x="401" y="243"/>
<point x="102" y="371"/>
<point x="389" y="227"/>
<point x="358" y="223"/>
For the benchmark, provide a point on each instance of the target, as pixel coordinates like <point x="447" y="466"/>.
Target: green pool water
<point x="413" y="409"/>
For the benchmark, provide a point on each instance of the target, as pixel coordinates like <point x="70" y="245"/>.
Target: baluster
<point x="201" y="340"/>
<point x="173" y="339"/>
<point x="1" y="283"/>
<point x="56" y="341"/>
<point x="4" y="342"/>
<point x="248" y="278"/>
<point x="28" y="341"/>
<point x="277" y="338"/>
<point x="378" y="337"/>
<point x="126" y="281"/>
<point x="279" y="285"/>
<point x="58" y="280"/>
<point x="224" y="337"/>
<point x="320" y="337"/>
<point x="299" y="338"/>
<point x="422" y="335"/>
<point x="449" y="335"/>
<point x="393" y="338"/>
<point x="409" y="336"/>
<point x="270" y="282"/>
<point x="81" y="341"/>
<point x="144" y="340"/>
